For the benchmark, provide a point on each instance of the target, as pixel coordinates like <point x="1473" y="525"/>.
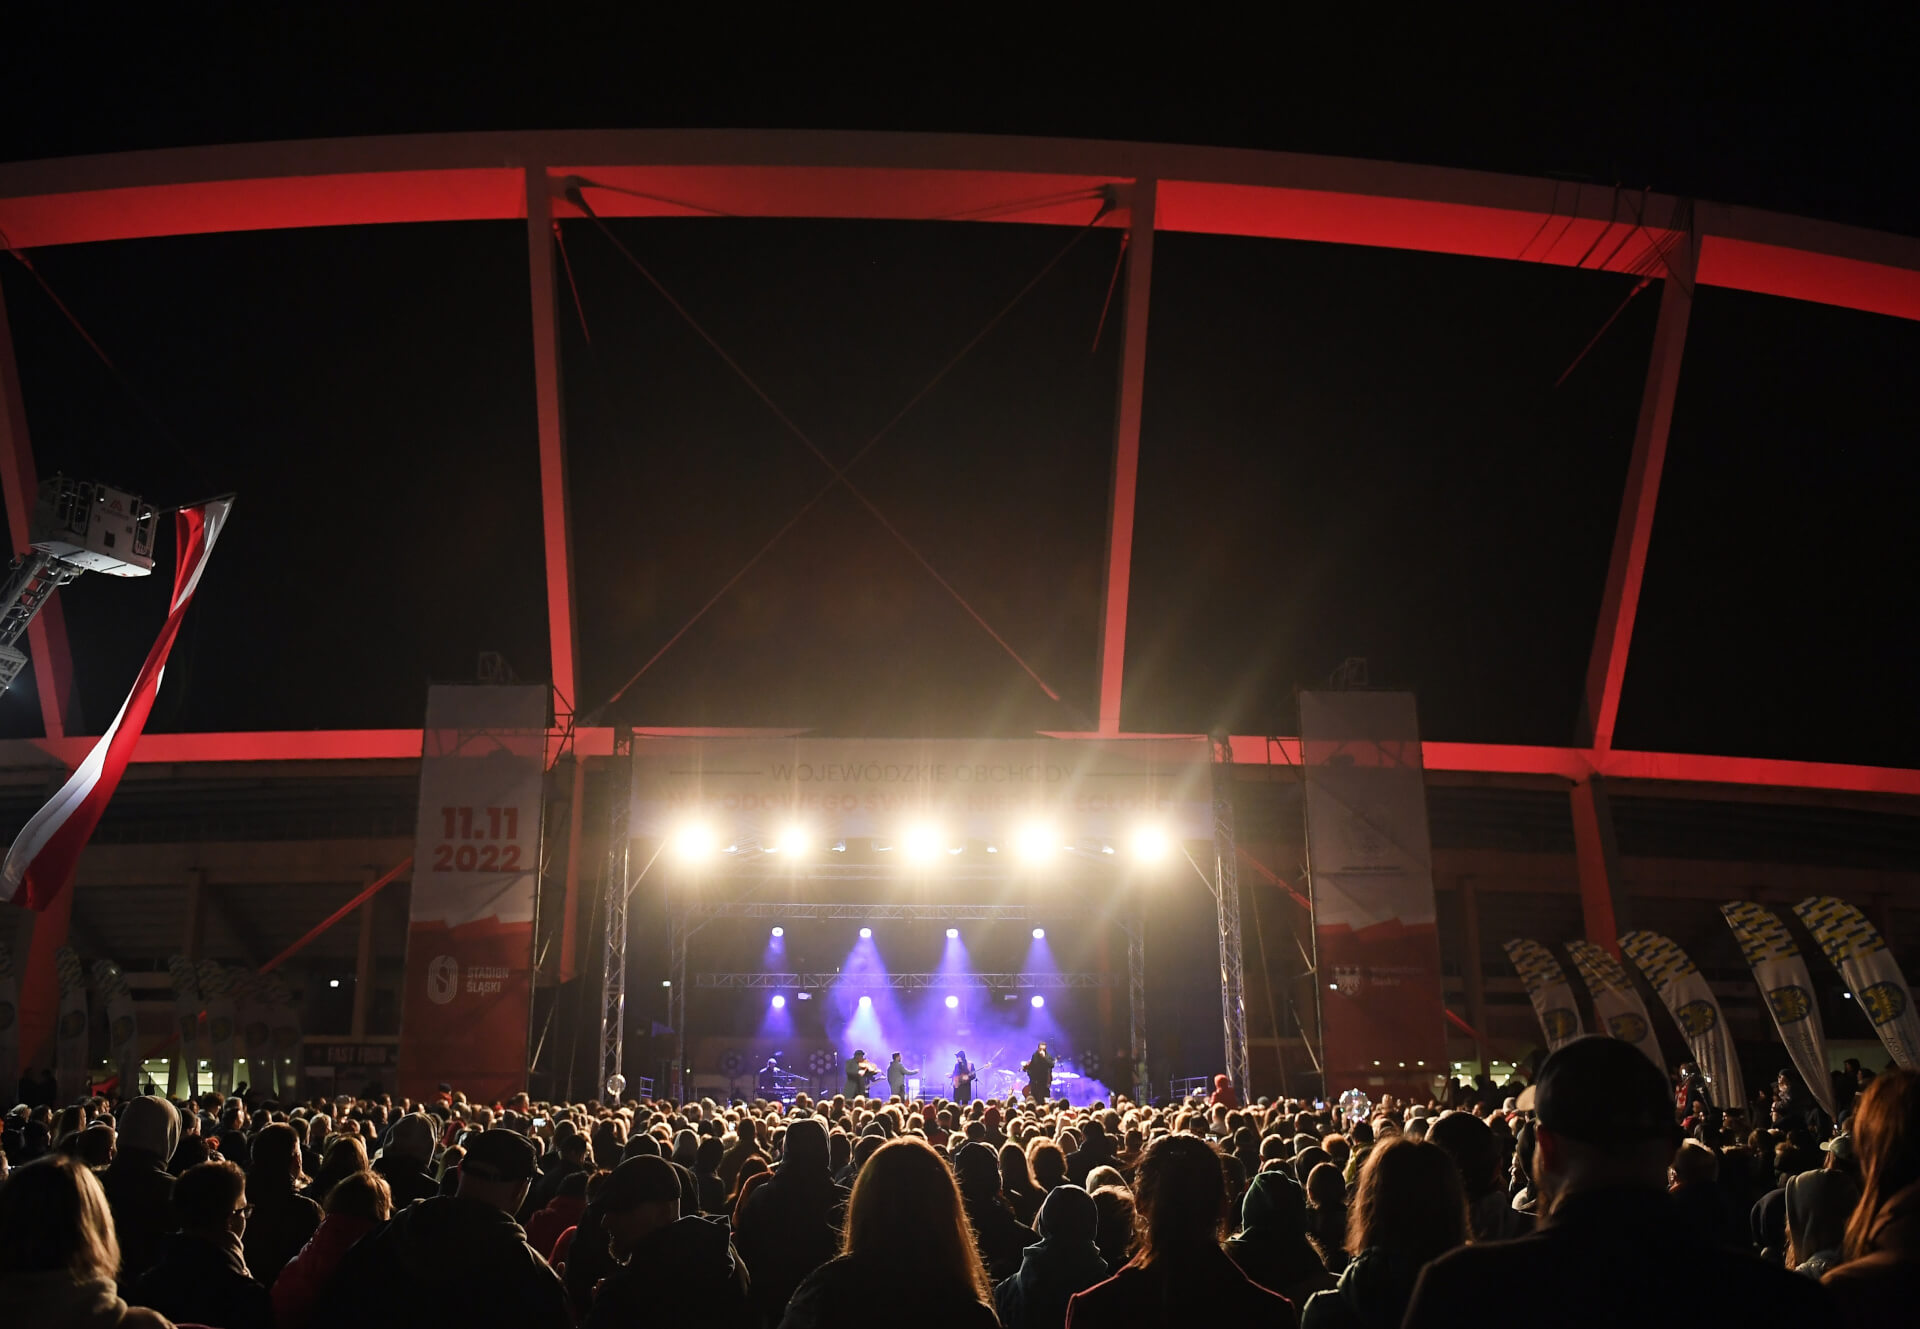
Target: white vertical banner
<point x="123" y="1029"/>
<point x="1695" y="1009"/>
<point x="1548" y="990"/>
<point x="186" y="1018"/>
<point x="9" y="1024"/>
<point x="1619" y="1007"/>
<point x="1860" y="953"/>
<point x="1785" y="983"/>
<point x="70" y="1034"/>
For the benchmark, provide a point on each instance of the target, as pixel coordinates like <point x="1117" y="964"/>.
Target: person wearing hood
<point x="355" y="1206"/>
<point x="1272" y="1248"/>
<point x="1096" y="1150"/>
<point x="58" y="1255"/>
<point x="1000" y="1237"/>
<point x="1409" y="1208"/>
<point x="790" y="1225"/>
<point x="1179" y="1276"/>
<point x="669" y="1269"/>
<point x="201" y="1276"/>
<point x="407" y="1158"/>
<point x="138" y="1186"/>
<point x="1818" y="1206"/>
<point x="455" y="1259"/>
<point x="1065" y="1261"/>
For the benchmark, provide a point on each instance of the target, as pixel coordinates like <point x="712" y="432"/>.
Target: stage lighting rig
<point x="76" y="527"/>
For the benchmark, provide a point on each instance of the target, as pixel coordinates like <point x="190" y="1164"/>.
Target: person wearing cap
<point x="457" y="1259"/>
<point x="1610" y="1249"/>
<point x="671" y="1269"/>
<point x="406" y="1159"/>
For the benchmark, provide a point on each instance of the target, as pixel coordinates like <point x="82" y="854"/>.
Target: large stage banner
<point x="1782" y="974"/>
<point x="9" y="1023"/>
<point x="751" y="790"/>
<point x="186" y="1018"/>
<point x="1858" y="951"/>
<point x="469" y="977"/>
<point x="1370" y="869"/>
<point x="1548" y="990"/>
<point x="1683" y="988"/>
<point x="1622" y="1014"/>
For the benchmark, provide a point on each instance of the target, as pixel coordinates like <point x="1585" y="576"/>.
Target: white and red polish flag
<point x="42" y="860"/>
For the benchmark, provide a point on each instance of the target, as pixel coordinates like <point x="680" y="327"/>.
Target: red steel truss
<point x="696" y="173"/>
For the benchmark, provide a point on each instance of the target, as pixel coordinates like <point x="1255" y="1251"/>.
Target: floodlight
<point x="693" y="842"/>
<point x="953" y="934"/>
<point x="1038" y="1001"/>
<point x="1039" y="934"/>
<point x="779" y="1002"/>
<point x="866" y="1003"/>
<point x="921" y="842"/>
<point x="953" y="1003"/>
<point x="866" y="934"/>
<point x="1036" y="841"/>
<point x="779" y="932"/>
<point x="1149" y="844"/>
<point x="333" y="982"/>
<point x="793" y="840"/>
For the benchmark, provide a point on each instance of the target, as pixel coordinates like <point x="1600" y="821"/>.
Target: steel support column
<point x="1126" y="451"/>
<point x="1602" y="891"/>
<point x="613" y="951"/>
<point x="1620" y="601"/>
<point x="555" y="518"/>
<point x="677" y="1003"/>
<point x="1226" y="897"/>
<point x="47" y="633"/>
<point x="1137" y="1006"/>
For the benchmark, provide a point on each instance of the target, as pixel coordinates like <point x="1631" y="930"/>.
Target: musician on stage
<point x="1039" y="1069"/>
<point x="962" y="1079"/>
<point x="897" y="1078"/>
<point x="768" y="1081"/>
<point x="860" y="1073"/>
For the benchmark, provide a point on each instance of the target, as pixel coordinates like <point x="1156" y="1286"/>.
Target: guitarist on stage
<point x="962" y="1078"/>
<point x="1039" y="1069"/>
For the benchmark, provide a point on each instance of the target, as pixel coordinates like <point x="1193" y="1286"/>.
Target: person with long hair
<point x="1048" y="1162"/>
<point x="1878" y="1279"/>
<point x="1016" y="1183"/>
<point x="58" y="1255"/>
<point x="346" y="1155"/>
<point x="1409" y="1208"/>
<point x="1179" y="1275"/>
<point x="355" y="1206"/>
<point x="906" y="1243"/>
<point x="283" y="1219"/>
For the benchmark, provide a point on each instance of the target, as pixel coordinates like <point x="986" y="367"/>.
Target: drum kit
<point x="1013" y="1083"/>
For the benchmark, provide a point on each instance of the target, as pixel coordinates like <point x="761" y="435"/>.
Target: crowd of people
<point x="1601" y="1197"/>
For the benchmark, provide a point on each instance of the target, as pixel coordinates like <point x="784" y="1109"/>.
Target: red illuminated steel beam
<point x="1626" y="568"/>
<point x="960" y="177"/>
<point x="1126" y="452"/>
<point x="47" y="633"/>
<point x="555" y="520"/>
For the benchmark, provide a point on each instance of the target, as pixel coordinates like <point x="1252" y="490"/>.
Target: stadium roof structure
<point x="1141" y="189"/>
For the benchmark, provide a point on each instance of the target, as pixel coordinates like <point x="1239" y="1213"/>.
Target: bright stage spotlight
<point x="1149" y="844"/>
<point x="953" y="934"/>
<point x="866" y="1003"/>
<point x="779" y="1002"/>
<point x="793" y="840"/>
<point x="866" y="934"/>
<point x="921" y="843"/>
<point x="693" y="842"/>
<point x="1039" y="934"/>
<point x="1038" y="1001"/>
<point x="779" y="932"/>
<point x="953" y="1003"/>
<point x="1036" y="841"/>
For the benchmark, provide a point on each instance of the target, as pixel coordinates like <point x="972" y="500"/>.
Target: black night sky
<point x="1346" y="452"/>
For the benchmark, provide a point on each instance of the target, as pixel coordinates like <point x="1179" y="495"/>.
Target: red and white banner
<point x="45" y="854"/>
<point x="1370" y="864"/>
<point x="469" y="982"/>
